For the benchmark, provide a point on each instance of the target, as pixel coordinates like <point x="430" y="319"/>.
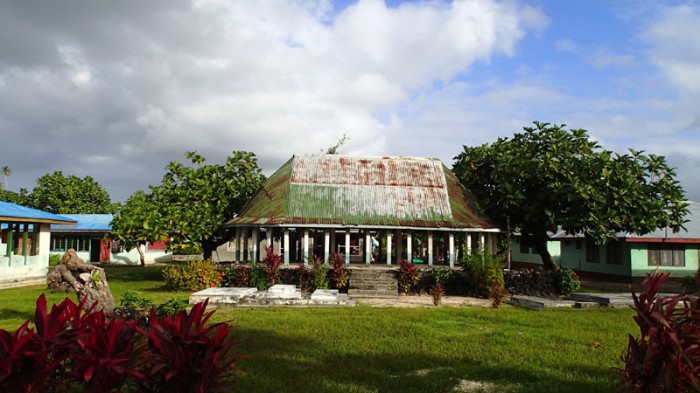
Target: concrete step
<point x="377" y="281"/>
<point x="374" y="287"/>
<point x="373" y="274"/>
<point x="384" y="294"/>
<point x="605" y="299"/>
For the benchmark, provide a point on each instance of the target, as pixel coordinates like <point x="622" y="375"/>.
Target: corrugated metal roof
<point x="86" y="223"/>
<point x="692" y="229"/>
<point x="377" y="191"/>
<point x="12" y="212"/>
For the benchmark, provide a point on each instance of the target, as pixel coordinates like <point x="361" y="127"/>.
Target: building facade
<point x="369" y="210"/>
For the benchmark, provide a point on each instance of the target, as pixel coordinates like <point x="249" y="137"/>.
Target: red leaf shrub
<point x="666" y="356"/>
<point x="340" y="274"/>
<point x="408" y="276"/>
<point x="72" y="350"/>
<point x="272" y="263"/>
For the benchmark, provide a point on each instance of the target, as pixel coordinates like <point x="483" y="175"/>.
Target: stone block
<point x="325" y="295"/>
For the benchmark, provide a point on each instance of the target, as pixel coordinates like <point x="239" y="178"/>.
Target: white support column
<point x="388" y="248"/>
<point x="347" y="246"/>
<point x="326" y="245"/>
<point x="482" y="242"/>
<point x="452" y="249"/>
<point x="430" y="248"/>
<point x="409" y="246"/>
<point x="268" y="236"/>
<point x="286" y="246"/>
<point x="256" y="244"/>
<point x="469" y="243"/>
<point x="368" y="247"/>
<point x="305" y="245"/>
<point x="492" y="242"/>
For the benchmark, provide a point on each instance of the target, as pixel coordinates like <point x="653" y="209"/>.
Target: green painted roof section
<point x="364" y="191"/>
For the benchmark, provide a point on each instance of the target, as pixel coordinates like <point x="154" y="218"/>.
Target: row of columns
<point x="487" y="241"/>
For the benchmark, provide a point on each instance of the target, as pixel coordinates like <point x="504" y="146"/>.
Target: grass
<point x="364" y="349"/>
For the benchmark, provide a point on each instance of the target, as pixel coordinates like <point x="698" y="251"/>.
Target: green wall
<point x="575" y="258"/>
<point x="640" y="261"/>
<point x="554" y="248"/>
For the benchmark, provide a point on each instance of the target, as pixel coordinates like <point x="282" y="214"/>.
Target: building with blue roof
<point x="89" y="236"/>
<point x="25" y="243"/>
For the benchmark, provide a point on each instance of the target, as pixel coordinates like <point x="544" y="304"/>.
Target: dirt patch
<point x="424" y="301"/>
<point x="467" y="386"/>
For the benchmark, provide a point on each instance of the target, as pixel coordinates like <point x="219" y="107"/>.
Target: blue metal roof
<point x="12" y="212"/>
<point x="86" y="223"/>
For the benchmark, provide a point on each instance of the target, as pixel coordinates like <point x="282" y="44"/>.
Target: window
<point x="524" y="247"/>
<point x="64" y="242"/>
<point x="664" y="254"/>
<point x="592" y="252"/>
<point x="613" y="253"/>
<point x="578" y="244"/>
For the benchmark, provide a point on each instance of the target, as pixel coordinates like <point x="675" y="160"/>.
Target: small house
<point x="25" y="243"/>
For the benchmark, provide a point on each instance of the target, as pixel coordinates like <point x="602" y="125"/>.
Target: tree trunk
<point x="86" y="280"/>
<point x="142" y="257"/>
<point x="208" y="248"/>
<point x="547" y="261"/>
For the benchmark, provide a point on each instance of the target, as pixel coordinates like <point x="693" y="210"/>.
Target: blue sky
<point x="115" y="90"/>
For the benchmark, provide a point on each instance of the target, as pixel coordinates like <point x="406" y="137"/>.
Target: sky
<point x="117" y="89"/>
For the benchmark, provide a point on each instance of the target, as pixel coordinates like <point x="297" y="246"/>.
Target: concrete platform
<point x="540" y="303"/>
<point x="278" y="295"/>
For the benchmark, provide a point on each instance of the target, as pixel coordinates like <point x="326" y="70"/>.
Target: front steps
<point x="373" y="283"/>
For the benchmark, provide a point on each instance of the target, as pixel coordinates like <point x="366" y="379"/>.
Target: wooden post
<point x="10" y="241"/>
<point x="399" y="245"/>
<point x="430" y="248"/>
<point x="286" y="246"/>
<point x="482" y="242"/>
<point x="333" y="249"/>
<point x="326" y="245"/>
<point x="35" y="239"/>
<point x="270" y="239"/>
<point x="237" y="242"/>
<point x="388" y="248"/>
<point x="244" y="246"/>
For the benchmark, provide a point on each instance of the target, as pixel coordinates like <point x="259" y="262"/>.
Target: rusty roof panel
<point x="377" y="191"/>
<point x="368" y="171"/>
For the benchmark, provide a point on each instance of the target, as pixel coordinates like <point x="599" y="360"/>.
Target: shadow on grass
<point x="6" y="313"/>
<point x="284" y="363"/>
<point x="134" y="273"/>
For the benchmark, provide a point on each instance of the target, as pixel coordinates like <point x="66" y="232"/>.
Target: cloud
<point x="117" y="89"/>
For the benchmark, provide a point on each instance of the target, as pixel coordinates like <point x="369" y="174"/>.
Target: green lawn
<point x="364" y="349"/>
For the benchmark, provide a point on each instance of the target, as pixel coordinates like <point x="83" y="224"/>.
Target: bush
<point x="566" y="281"/>
<point x="192" y="276"/>
<point x="408" y="277"/>
<point x="666" y="356"/>
<point x="484" y="276"/>
<point x="135" y="307"/>
<point x="340" y="274"/>
<point x="54" y="259"/>
<point x="236" y="275"/>
<point x="70" y="350"/>
<point x="439" y="276"/>
<point x="320" y="271"/>
<point x="272" y="263"/>
<point x="305" y="278"/>
<point x="258" y="277"/>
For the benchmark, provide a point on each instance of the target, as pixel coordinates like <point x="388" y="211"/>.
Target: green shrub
<point x="258" y="277"/>
<point x="54" y="259"/>
<point x="133" y="306"/>
<point x="340" y="274"/>
<point x="192" y="276"/>
<point x="439" y="276"/>
<point x="566" y="281"/>
<point x="236" y="275"/>
<point x="484" y="276"/>
<point x="320" y="274"/>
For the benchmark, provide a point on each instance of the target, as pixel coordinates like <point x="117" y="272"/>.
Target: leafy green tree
<point x="138" y="222"/>
<point x="19" y="198"/>
<point x="61" y="194"/>
<point x="547" y="178"/>
<point x="191" y="204"/>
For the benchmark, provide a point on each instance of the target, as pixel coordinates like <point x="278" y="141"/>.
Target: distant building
<point x="90" y="238"/>
<point x="367" y="209"/>
<point x="25" y="243"/>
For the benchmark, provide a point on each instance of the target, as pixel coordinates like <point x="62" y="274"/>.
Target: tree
<point x="191" y="204"/>
<point x="6" y="172"/>
<point x="334" y="148"/>
<point x="547" y="178"/>
<point x="61" y="194"/>
<point x="19" y="198"/>
<point x="133" y="225"/>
